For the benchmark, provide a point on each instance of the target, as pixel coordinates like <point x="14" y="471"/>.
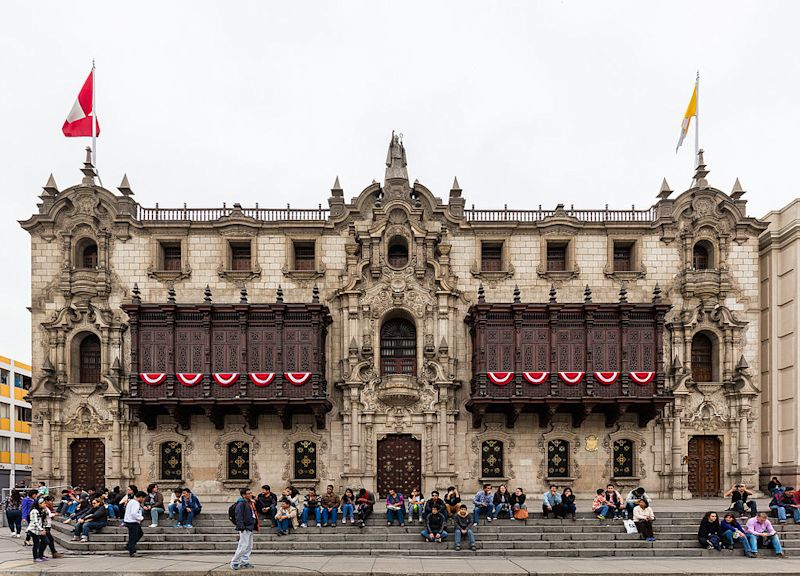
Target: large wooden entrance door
<point x="704" y="465"/>
<point x="399" y="464"/>
<point x="88" y="462"/>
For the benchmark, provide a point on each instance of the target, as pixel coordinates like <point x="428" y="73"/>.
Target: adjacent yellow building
<point x="15" y="423"/>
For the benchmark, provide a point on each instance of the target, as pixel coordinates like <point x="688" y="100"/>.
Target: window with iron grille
<point x="240" y="256"/>
<point x="87" y="254"/>
<point x="623" y="256"/>
<point x="558" y="459"/>
<point x="305" y="460"/>
<point x="304" y="255"/>
<point x="491" y="256"/>
<point x="623" y="458"/>
<point x="171" y="256"/>
<point x="702" y="255"/>
<point x="492" y="459"/>
<point x="238" y="460"/>
<point x="556" y="256"/>
<point x="171" y="461"/>
<point x="398" y="252"/>
<point x="398" y="347"/>
<point x="89" y="359"/>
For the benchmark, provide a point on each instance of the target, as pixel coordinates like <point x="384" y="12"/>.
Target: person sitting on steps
<point x="365" y="502"/>
<point x="616" y="505"/>
<point x="600" y="505"/>
<point x="502" y="501"/>
<point x="484" y="504"/>
<point x="452" y="500"/>
<point x="330" y="506"/>
<point x="633" y="498"/>
<point x="739" y="495"/>
<point x="761" y="533"/>
<point x="95" y="519"/>
<point x="783" y="502"/>
<point x="188" y="507"/>
<point x="395" y="508"/>
<point x="434" y="500"/>
<point x="311" y="506"/>
<point x="154" y="504"/>
<point x="416" y="506"/>
<point x="461" y="527"/>
<point x="283" y="517"/>
<point x="709" y="534"/>
<point x="435" y="526"/>
<point x="518" y="503"/>
<point x="551" y="503"/>
<point x="773" y="485"/>
<point x="568" y="503"/>
<point x="732" y="532"/>
<point x="294" y="505"/>
<point x="348" y="506"/>
<point x="267" y="504"/>
<point x="643" y="517"/>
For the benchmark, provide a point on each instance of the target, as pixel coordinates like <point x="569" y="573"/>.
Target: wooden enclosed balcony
<point x="574" y="358"/>
<point x="217" y="359"/>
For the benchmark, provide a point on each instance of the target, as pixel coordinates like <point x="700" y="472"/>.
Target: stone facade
<point x="780" y="350"/>
<point x="353" y="268"/>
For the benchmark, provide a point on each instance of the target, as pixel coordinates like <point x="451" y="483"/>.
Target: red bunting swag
<point x="189" y="378"/>
<point x="500" y="378"/>
<point x="642" y="378"/>
<point x="261" y="379"/>
<point x="536" y="377"/>
<point x="606" y="378"/>
<point x="152" y="378"/>
<point x="571" y="378"/>
<point x="225" y="379"/>
<point x="297" y="378"/>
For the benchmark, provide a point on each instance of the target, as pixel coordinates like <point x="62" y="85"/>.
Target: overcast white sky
<point x="526" y="102"/>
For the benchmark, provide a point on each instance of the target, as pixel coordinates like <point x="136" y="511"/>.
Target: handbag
<point x="521" y="514"/>
<point x="630" y="527"/>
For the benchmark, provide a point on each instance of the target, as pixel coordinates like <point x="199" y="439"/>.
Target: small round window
<point x="398" y="252"/>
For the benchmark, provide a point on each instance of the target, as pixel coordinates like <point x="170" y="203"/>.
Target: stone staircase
<point x="587" y="537"/>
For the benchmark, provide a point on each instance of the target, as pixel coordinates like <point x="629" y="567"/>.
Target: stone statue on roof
<point x="396" y="159"/>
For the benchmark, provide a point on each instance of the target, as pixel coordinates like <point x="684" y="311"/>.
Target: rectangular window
<point x="18" y="380"/>
<point x="305" y="255"/>
<point x="171" y="256"/>
<point x="23" y="414"/>
<point x="26" y="382"/>
<point x="5" y="444"/>
<point x="4" y="374"/>
<point x="491" y="256"/>
<point x="240" y="256"/>
<point x="623" y="256"/>
<point x="557" y="256"/>
<point x="22" y="446"/>
<point x="5" y="411"/>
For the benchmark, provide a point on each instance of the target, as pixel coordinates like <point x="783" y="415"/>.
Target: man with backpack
<point x="243" y="513"/>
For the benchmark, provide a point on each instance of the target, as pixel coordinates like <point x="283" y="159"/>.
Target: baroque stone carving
<point x="168" y="433"/>
<point x="233" y="434"/>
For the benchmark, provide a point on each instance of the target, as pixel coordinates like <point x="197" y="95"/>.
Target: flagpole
<point x="697" y="119"/>
<point x="94" y="125"/>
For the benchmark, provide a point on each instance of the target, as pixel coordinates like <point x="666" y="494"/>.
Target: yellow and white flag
<point x="691" y="111"/>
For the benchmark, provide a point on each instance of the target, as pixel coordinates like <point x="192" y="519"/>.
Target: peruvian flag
<point x="79" y="119"/>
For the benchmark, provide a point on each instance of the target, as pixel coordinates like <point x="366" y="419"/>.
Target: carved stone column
<point x="355" y="441"/>
<point x="444" y="465"/>
<point x="116" y="445"/>
<point x="47" y="446"/>
<point x="677" y="453"/>
<point x="744" y="451"/>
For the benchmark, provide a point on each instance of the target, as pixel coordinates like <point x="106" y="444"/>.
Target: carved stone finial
<point x="481" y="294"/>
<point x="207" y="294"/>
<point x="136" y="298"/>
<point x="657" y="294"/>
<point x="742" y="364"/>
<point x="553" y="294"/>
<point x="125" y="186"/>
<point x="517" y="298"/>
<point x="455" y="189"/>
<point x="279" y="295"/>
<point x="396" y="159"/>
<point x="52" y="190"/>
<point x="701" y="172"/>
<point x="337" y="188"/>
<point x="665" y="190"/>
<point x="737" y="191"/>
<point x="315" y="294"/>
<point x="88" y="170"/>
<point x="587" y="295"/>
<point x="171" y="295"/>
<point x="623" y="294"/>
<point x="243" y="295"/>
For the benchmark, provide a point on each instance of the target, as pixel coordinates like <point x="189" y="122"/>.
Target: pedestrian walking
<point x="133" y="520"/>
<point x="246" y="523"/>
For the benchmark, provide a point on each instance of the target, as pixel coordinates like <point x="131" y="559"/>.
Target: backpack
<point x="232" y="513"/>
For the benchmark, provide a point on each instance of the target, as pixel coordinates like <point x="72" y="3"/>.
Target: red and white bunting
<point x="297" y="378"/>
<point x="189" y="378"/>
<point x="536" y="377"/>
<point x="606" y="378"/>
<point x="642" y="378"/>
<point x="152" y="378"/>
<point x="225" y="379"/>
<point x="500" y="378"/>
<point x="261" y="379"/>
<point x="571" y="378"/>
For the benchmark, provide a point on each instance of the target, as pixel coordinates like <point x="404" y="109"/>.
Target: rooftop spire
<point x="701" y="172"/>
<point x="736" y="193"/>
<point x="396" y="159"/>
<point x="88" y="170"/>
<point x="665" y="190"/>
<point x="51" y="189"/>
<point x="337" y="188"/>
<point x="125" y="186"/>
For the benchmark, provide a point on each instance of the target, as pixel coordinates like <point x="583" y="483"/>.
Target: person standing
<point x="246" y="523"/>
<point x="13" y="506"/>
<point x="133" y="520"/>
<point x="48" y="511"/>
<point x="37" y="531"/>
<point x="27" y="504"/>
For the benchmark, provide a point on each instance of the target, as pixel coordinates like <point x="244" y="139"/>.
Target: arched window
<point x="89" y="360"/>
<point x="398" y="347"/>
<point x="86" y="254"/>
<point x="558" y="459"/>
<point x="171" y="460"/>
<point x="702" y="358"/>
<point x="703" y="255"/>
<point x="238" y="460"/>
<point x="492" y="459"/>
<point x="305" y="460"/>
<point x="623" y="458"/>
<point x="398" y="252"/>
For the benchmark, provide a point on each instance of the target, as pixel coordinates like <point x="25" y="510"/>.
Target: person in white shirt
<point x="133" y="520"/>
<point x="643" y="518"/>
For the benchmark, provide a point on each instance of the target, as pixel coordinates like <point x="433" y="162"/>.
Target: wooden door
<point x="704" y="465"/>
<point x="399" y="464"/>
<point x="88" y="462"/>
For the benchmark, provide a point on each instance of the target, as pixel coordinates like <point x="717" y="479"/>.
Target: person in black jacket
<point x="517" y="502"/>
<point x="568" y="503"/>
<point x="502" y="501"/>
<point x="267" y="504"/>
<point x="438" y="503"/>
<point x="246" y="523"/>
<point x="435" y="526"/>
<point x="95" y="519"/>
<point x="709" y="533"/>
